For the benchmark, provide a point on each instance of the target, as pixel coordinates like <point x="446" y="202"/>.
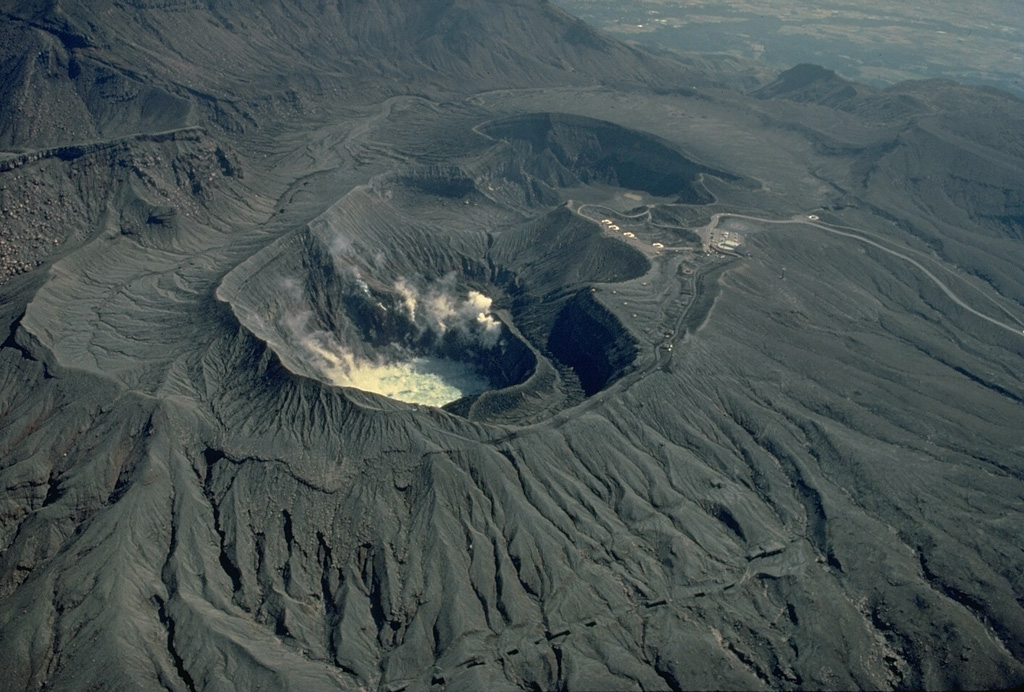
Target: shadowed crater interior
<point x="560" y="150"/>
<point x="339" y="312"/>
<point x="432" y="286"/>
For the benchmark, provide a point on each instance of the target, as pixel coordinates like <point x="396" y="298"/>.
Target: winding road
<point x="850" y="232"/>
<point x="860" y="238"/>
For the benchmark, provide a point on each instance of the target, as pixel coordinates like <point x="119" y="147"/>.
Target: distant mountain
<point x="812" y="84"/>
<point x="957" y="147"/>
<point x="110" y="68"/>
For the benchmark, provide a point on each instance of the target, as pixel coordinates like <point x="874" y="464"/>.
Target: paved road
<point x="851" y="232"/>
<point x="860" y="238"/>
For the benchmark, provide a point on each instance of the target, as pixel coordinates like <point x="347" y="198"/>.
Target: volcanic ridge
<point x="393" y="345"/>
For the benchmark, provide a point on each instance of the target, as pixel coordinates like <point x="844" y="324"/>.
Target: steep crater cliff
<point x="395" y="291"/>
<point x="555" y="150"/>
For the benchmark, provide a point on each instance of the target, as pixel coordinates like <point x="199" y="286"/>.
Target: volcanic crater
<point x="467" y="285"/>
<point x="794" y="468"/>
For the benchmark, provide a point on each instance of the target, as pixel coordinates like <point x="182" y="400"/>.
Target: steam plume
<point x="436" y="310"/>
<point x="439" y="309"/>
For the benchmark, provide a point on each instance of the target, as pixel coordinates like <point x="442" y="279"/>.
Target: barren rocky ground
<point x="797" y="465"/>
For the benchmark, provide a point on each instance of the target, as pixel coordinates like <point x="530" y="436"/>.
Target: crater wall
<point x="566" y="150"/>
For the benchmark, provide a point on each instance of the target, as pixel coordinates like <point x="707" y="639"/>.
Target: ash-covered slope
<point x="807" y="83"/>
<point x="795" y="464"/>
<point x="112" y="68"/>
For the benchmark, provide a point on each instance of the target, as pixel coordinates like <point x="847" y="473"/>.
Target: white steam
<point x="440" y="310"/>
<point x="436" y="309"/>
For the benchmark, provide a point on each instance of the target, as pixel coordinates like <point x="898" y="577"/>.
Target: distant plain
<point x="878" y="43"/>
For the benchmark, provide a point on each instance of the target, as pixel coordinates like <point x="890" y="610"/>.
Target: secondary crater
<point x="558" y="150"/>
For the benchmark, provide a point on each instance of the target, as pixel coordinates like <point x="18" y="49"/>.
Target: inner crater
<point x="348" y="300"/>
<point x="430" y="342"/>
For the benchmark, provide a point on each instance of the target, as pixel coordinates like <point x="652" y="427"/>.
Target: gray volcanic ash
<point x="725" y="388"/>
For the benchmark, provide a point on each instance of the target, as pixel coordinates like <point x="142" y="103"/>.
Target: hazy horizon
<point x="871" y="42"/>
